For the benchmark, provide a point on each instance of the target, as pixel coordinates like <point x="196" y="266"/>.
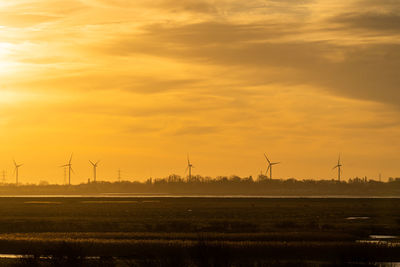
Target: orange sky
<point x="139" y="84"/>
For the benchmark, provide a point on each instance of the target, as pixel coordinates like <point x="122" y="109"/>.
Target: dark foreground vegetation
<point x="175" y="185"/>
<point x="95" y="231"/>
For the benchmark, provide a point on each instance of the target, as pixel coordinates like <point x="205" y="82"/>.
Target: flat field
<point x="162" y="231"/>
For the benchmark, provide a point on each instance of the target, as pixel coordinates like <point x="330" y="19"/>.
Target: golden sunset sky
<point x="140" y="84"/>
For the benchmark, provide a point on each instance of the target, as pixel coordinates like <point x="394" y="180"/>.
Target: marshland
<point x="196" y="231"/>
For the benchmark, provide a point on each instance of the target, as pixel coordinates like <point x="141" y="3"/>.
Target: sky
<point x="141" y="84"/>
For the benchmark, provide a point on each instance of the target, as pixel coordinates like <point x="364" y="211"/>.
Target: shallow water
<point x="383" y="237"/>
<point x="161" y="195"/>
<point x="20" y="256"/>
<point x="358" y="218"/>
<point x="12" y="256"/>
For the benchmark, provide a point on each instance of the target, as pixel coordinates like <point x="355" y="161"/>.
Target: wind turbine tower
<point x="269" y="168"/>
<point x="65" y="175"/>
<point x="189" y="167"/>
<point x="17" y="166"/>
<point x="94" y="169"/>
<point x="339" y="167"/>
<point x="69" y="165"/>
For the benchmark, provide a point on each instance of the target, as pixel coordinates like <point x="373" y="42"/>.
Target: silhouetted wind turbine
<point x="189" y="167"/>
<point x="17" y="171"/>
<point x="270" y="164"/>
<point x="65" y="175"/>
<point x="69" y="165"/>
<point x="94" y="169"/>
<point x="339" y="167"/>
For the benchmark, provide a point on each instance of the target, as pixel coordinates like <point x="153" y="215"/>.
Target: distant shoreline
<point x="234" y="187"/>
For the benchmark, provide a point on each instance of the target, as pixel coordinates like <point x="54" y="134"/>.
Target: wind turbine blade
<point x="267" y="158"/>
<point x="269" y="166"/>
<point x="70" y="159"/>
<point x="187" y="168"/>
<point x="72" y="170"/>
<point x="92" y="163"/>
<point x="15" y="163"/>
<point x="335" y="167"/>
<point x="98" y="162"/>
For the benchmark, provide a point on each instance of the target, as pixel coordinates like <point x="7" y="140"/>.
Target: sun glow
<point x="5" y="49"/>
<point x="5" y="60"/>
<point x="7" y="96"/>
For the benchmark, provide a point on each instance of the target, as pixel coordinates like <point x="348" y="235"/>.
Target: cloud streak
<point x="362" y="72"/>
<point x="380" y="23"/>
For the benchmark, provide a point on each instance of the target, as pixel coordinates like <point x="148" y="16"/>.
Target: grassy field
<point x="198" y="231"/>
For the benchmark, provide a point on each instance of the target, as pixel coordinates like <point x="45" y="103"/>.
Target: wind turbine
<point x="94" y="169"/>
<point x="16" y="170"/>
<point x="65" y="175"/>
<point x="339" y="167"/>
<point x="69" y="165"/>
<point x="270" y="164"/>
<point x="189" y="167"/>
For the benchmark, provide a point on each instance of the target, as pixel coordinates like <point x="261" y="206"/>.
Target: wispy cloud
<point x="378" y="22"/>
